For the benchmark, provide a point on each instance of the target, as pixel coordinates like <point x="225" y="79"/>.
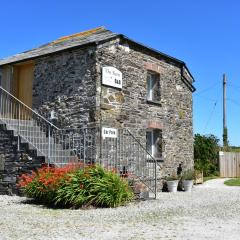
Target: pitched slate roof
<point x="95" y="35"/>
<point x="78" y="39"/>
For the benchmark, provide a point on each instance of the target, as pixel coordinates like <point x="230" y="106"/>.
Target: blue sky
<point x="205" y="34"/>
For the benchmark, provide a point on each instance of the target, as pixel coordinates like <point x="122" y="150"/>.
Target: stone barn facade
<point x="98" y="80"/>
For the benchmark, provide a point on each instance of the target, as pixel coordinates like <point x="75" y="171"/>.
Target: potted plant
<point x="172" y="183"/>
<point x="187" y="180"/>
<point x="198" y="177"/>
<point x="198" y="167"/>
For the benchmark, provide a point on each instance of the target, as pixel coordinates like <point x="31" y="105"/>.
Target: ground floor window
<point x="154" y="142"/>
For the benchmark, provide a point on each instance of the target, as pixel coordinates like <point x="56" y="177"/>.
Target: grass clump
<point x="210" y="178"/>
<point x="188" y="175"/>
<point x="233" y="182"/>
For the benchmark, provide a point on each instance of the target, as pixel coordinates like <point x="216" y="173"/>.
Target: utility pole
<point x="225" y="132"/>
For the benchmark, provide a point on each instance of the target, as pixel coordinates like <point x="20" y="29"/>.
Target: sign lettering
<point x="109" y="132"/>
<point x="112" y="77"/>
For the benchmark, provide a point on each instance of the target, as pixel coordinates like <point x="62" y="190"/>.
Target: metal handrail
<point x="155" y="162"/>
<point x="81" y="128"/>
<point x="30" y="109"/>
<point x="85" y="144"/>
<point x="17" y="115"/>
<point x="140" y="144"/>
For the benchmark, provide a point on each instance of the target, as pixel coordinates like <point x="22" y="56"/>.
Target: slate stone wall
<point x="13" y="163"/>
<point x="128" y="107"/>
<point x="65" y="82"/>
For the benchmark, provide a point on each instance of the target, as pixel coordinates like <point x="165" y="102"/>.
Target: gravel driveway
<point x="211" y="211"/>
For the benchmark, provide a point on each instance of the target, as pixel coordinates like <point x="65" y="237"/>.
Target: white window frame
<point x="152" y="78"/>
<point x="149" y="86"/>
<point x="153" y="150"/>
<point x="152" y="141"/>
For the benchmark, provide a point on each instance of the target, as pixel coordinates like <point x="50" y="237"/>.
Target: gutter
<point x="183" y="64"/>
<point x="185" y="80"/>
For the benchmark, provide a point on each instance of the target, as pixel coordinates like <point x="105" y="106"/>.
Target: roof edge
<point x="117" y="35"/>
<point x="58" y="51"/>
<point x="158" y="52"/>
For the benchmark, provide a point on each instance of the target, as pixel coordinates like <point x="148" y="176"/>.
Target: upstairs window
<point x="153" y="87"/>
<point x="154" y="142"/>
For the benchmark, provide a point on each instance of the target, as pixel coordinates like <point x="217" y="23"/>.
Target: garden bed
<point x="76" y="186"/>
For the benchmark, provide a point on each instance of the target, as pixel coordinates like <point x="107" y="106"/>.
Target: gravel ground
<point x="210" y="211"/>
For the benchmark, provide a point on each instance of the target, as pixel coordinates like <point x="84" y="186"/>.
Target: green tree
<point x="206" y="149"/>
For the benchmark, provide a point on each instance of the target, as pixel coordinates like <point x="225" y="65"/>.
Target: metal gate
<point x="125" y="153"/>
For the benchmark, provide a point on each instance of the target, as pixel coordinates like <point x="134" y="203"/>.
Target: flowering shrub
<point x="43" y="184"/>
<point x="76" y="185"/>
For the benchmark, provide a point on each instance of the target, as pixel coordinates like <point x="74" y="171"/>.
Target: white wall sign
<point x="109" y="132"/>
<point x="112" y="77"/>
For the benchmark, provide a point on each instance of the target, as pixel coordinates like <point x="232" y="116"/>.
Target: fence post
<point x="100" y="144"/>
<point x="155" y="174"/>
<point x="49" y="143"/>
<point x="18" y="144"/>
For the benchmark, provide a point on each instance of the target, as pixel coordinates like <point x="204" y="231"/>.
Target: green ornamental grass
<point x="110" y="190"/>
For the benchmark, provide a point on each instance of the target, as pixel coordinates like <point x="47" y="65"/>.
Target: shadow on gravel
<point x="33" y="202"/>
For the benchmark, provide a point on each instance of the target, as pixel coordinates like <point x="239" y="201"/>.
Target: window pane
<point x="149" y="141"/>
<point x="153" y="86"/>
<point x="156" y="88"/>
<point x="157" y="138"/>
<point x="149" y="86"/>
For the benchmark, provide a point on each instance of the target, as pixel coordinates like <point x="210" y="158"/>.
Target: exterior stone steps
<point x="35" y="140"/>
<point x="16" y="122"/>
<point x="13" y="163"/>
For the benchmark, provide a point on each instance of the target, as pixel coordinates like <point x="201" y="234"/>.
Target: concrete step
<point x="60" y="154"/>
<point x="35" y="141"/>
<point x="20" y="122"/>
<point x="43" y="146"/>
<point x="30" y="129"/>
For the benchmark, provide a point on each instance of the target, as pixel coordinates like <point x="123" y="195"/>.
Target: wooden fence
<point x="229" y="163"/>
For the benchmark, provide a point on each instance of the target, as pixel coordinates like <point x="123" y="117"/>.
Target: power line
<point x="206" y="98"/>
<point x="210" y="116"/>
<point x="207" y="89"/>
<point x="233" y="85"/>
<point x="233" y="101"/>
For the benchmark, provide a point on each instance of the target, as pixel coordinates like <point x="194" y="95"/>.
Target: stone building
<point x="98" y="78"/>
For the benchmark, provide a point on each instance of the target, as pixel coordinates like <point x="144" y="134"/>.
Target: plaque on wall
<point x="111" y="76"/>
<point x="109" y="132"/>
